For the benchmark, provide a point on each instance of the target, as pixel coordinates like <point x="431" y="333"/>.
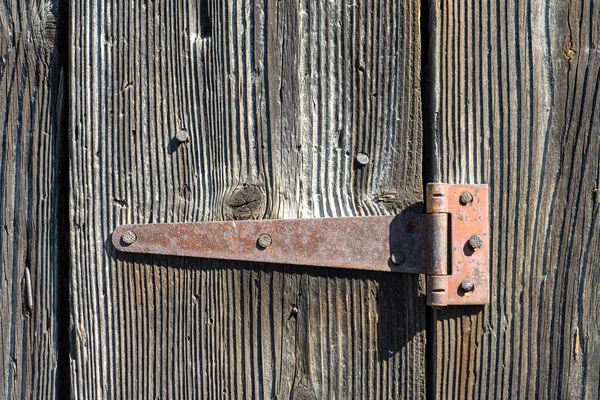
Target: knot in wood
<point x="246" y="202"/>
<point x="302" y="393"/>
<point x="43" y="25"/>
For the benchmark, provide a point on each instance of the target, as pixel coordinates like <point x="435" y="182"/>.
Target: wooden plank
<point x="31" y="110"/>
<point x="220" y="110"/>
<point x="516" y="105"/>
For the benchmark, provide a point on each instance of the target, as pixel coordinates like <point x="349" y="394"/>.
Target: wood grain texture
<point x="217" y="110"/>
<point x="31" y="109"/>
<point x="516" y="106"/>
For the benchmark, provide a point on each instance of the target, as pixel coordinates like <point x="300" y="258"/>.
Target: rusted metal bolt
<point x="264" y="241"/>
<point x="362" y="158"/>
<point x="466" y="198"/>
<point x="475" y="242"/>
<point x="398" y="258"/>
<point x="129" y="238"/>
<point x="467" y="285"/>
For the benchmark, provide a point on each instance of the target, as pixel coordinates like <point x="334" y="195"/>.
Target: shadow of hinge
<point x="449" y="244"/>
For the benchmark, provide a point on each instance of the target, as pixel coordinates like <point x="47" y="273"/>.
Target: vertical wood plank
<point x="219" y="110"/>
<point x="516" y="106"/>
<point x="31" y="110"/>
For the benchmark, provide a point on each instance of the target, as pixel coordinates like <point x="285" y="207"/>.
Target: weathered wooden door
<point x="174" y="111"/>
<point x="228" y="110"/>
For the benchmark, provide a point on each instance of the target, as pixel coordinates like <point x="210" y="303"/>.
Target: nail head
<point x="129" y="238"/>
<point x="467" y="285"/>
<point x="475" y="242"/>
<point x="466" y="198"/>
<point x="264" y="241"/>
<point x="182" y="136"/>
<point x="362" y="158"/>
<point x="398" y="257"/>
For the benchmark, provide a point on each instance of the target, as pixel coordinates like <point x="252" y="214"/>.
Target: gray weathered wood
<point x="516" y="90"/>
<point x="31" y="107"/>
<point x="272" y="100"/>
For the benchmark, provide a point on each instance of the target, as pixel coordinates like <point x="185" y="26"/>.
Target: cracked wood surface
<point x="516" y="106"/>
<point x="219" y="110"/>
<point x="31" y="109"/>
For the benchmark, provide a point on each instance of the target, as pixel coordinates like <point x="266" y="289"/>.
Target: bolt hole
<point x="412" y="228"/>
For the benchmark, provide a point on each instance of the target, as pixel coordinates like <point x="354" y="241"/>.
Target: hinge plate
<point x="468" y="264"/>
<point x="407" y="243"/>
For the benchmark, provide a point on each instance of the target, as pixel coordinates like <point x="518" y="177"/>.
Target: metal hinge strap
<point x="430" y="244"/>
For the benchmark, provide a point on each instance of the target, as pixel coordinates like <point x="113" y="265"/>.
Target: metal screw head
<point x="398" y="257"/>
<point x="467" y="285"/>
<point x="362" y="158"/>
<point x="264" y="241"/>
<point x="466" y="198"/>
<point x="129" y="238"/>
<point x="182" y="136"/>
<point x="475" y="242"/>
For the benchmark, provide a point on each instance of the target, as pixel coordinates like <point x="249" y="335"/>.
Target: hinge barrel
<point x="437" y="244"/>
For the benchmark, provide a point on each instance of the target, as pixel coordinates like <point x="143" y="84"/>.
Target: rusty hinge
<point x="449" y="244"/>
